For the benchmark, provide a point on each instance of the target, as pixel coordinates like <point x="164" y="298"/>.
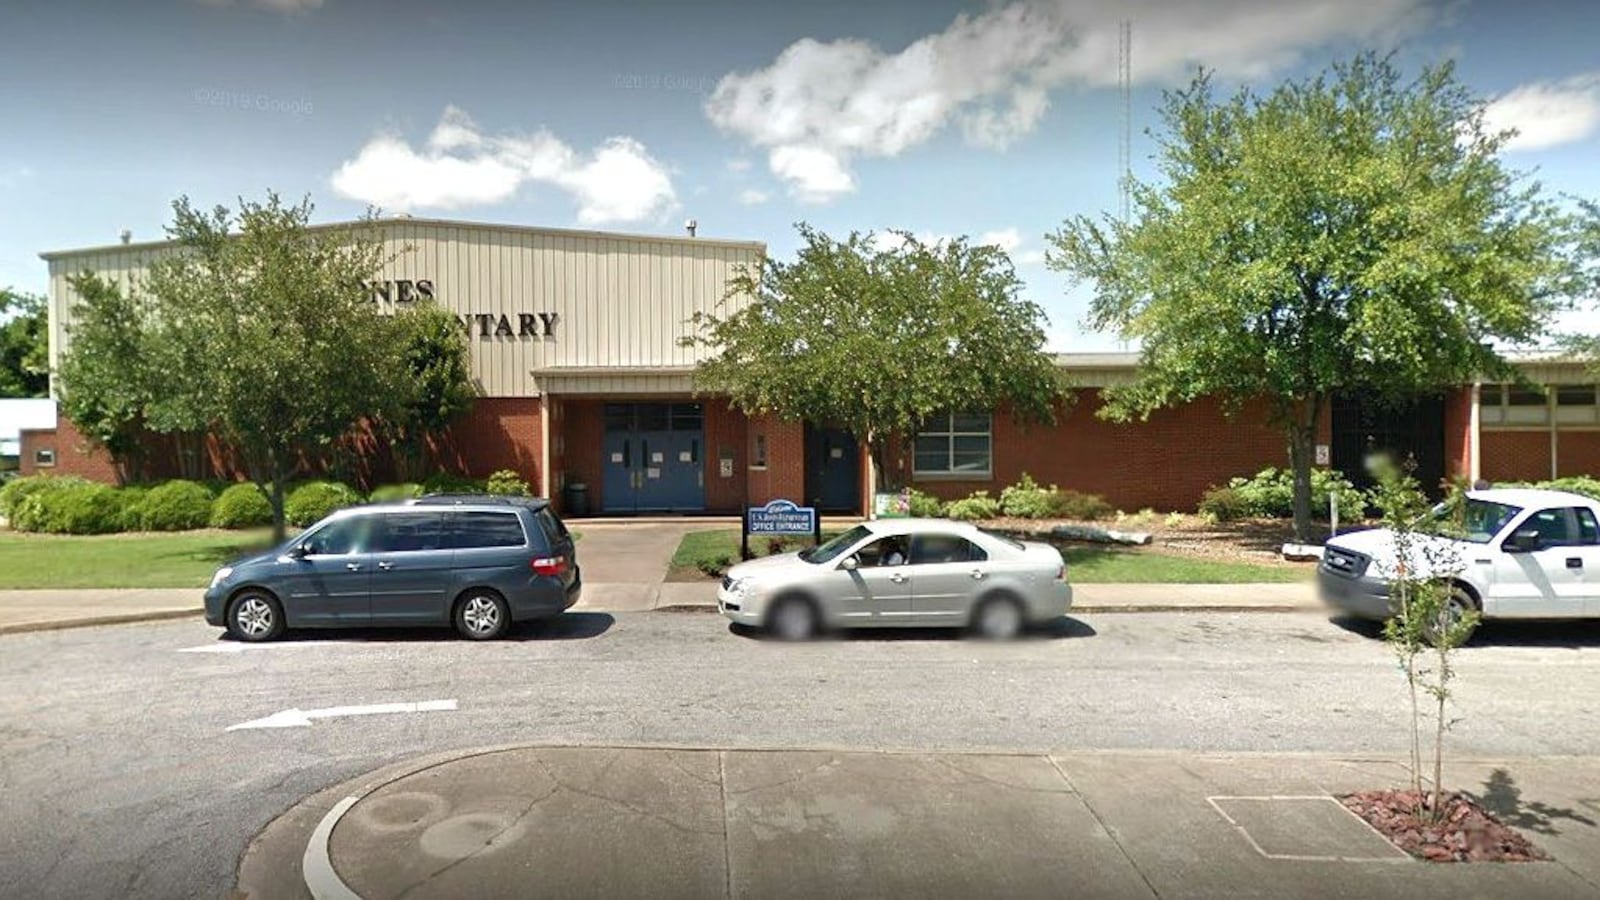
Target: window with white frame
<point x="956" y="444"/>
<point x="1513" y="406"/>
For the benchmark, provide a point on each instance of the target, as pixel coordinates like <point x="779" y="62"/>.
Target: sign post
<point x="778" y="517"/>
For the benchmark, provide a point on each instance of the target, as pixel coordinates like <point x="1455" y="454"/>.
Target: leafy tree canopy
<point x="1351" y="231"/>
<point x="24" y="345"/>
<point x="877" y="336"/>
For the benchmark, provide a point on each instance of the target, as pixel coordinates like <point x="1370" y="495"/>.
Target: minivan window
<point x="554" y="531"/>
<point x="339" y="538"/>
<point x="408" y="532"/>
<point x="484" y="529"/>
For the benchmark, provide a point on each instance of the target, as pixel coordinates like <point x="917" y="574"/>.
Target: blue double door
<point x="653" y="458"/>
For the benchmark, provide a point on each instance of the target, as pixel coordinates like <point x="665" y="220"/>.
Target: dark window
<point x="687" y="417"/>
<point x="932" y="549"/>
<point x="44" y="457"/>
<point x="340" y="538"/>
<point x="759" y="457"/>
<point x="485" y="529"/>
<point x="1588" y="528"/>
<point x="1555" y="527"/>
<point x="408" y="532"/>
<point x="891" y="551"/>
<point x="654" y="417"/>
<point x="619" y="417"/>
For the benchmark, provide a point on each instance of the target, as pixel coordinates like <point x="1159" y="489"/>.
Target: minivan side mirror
<point x="849" y="564"/>
<point x="1524" y="541"/>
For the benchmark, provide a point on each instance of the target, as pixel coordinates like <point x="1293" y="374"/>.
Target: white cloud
<point x="753" y="197"/>
<point x="819" y="106"/>
<point x="1548" y="113"/>
<point x="1007" y="239"/>
<point x="461" y="166"/>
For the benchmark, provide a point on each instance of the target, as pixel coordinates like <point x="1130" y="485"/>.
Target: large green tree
<point x="24" y="345"/>
<point x="878" y="336"/>
<point x="1352" y="231"/>
<point x="437" y="386"/>
<point x="109" y="368"/>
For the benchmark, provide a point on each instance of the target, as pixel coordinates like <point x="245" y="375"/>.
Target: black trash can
<point x="575" y="499"/>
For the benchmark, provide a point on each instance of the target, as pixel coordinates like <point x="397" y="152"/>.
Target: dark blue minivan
<point x="478" y="562"/>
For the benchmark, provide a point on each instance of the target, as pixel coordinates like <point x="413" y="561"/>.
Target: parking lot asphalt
<point x="122" y="777"/>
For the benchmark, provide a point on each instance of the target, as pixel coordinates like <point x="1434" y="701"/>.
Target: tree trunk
<point x="279" y="527"/>
<point x="1302" y="450"/>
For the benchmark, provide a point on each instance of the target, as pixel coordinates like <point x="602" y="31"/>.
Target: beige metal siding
<point x="620" y="301"/>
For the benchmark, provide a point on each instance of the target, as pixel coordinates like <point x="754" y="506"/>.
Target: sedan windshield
<point x="1477" y="523"/>
<point x="831" y="550"/>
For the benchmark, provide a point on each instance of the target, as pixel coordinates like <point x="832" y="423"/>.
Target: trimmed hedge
<point x="241" y="506"/>
<point x="87" y="508"/>
<point x="1270" y="494"/>
<point x="19" y="489"/>
<point x="314" y="500"/>
<point x="130" y="503"/>
<point x="973" y="508"/>
<point x="390" y="493"/>
<point x="176" y="506"/>
<point x="924" y="505"/>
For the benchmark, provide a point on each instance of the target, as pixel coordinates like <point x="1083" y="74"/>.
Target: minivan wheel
<point x="255" y="616"/>
<point x="482" y="616"/>
<point x="793" y="619"/>
<point x="998" y="619"/>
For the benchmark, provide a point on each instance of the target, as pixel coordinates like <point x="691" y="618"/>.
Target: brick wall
<point x="75" y="454"/>
<point x="498" y="433"/>
<point x="1458" y="433"/>
<point x="726" y="433"/>
<point x="1578" y="453"/>
<point x="785" y="475"/>
<point x="1515" y="455"/>
<point x="582" y="428"/>
<point x="1165" y="463"/>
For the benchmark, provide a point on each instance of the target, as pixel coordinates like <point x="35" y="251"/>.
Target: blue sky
<point x="994" y="120"/>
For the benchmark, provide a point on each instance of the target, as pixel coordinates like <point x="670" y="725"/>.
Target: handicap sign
<point x="781" y="517"/>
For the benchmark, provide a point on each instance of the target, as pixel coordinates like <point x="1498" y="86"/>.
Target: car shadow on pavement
<point x="1502" y="633"/>
<point x="1057" y="629"/>
<point x="565" y="627"/>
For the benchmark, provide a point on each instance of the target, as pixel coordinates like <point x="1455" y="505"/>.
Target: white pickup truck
<point x="1526" y="554"/>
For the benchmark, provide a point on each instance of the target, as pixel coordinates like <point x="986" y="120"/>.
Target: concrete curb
<point x="119" y="619"/>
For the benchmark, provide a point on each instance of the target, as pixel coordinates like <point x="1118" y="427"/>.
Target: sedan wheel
<point x="999" y="619"/>
<point x="482" y="617"/>
<point x="255" y="617"/>
<point x="793" y="620"/>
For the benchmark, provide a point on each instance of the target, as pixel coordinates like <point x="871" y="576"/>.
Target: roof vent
<point x="690" y="226"/>
<point x="126" y="235"/>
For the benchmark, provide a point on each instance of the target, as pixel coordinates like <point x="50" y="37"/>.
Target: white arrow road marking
<point x="296" y="718"/>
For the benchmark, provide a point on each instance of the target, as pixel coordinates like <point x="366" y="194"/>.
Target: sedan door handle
<point x="354" y="567"/>
<point x="897" y="578"/>
<point x="386" y="566"/>
<point x="977" y="574"/>
<point x="1574" y="562"/>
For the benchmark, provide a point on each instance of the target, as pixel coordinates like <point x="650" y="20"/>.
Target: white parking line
<point x="297" y="718"/>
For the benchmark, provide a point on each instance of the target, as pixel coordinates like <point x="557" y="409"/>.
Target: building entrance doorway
<point x="1412" y="429"/>
<point x="653" y="458"/>
<point x="833" y="470"/>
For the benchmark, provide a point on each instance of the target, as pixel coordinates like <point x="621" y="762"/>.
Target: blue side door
<point x="329" y="585"/>
<point x="411" y="572"/>
<point x="620" y="468"/>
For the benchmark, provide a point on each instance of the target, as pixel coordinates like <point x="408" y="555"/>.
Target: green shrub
<point x="241" y="506"/>
<point x="1027" y="500"/>
<point x="925" y="505"/>
<point x="130" y="500"/>
<point x="390" y="493"/>
<point x="1225" y="504"/>
<point x="78" y="508"/>
<point x="176" y="506"/>
<point x="977" y="506"/>
<point x="19" y="489"/>
<point x="1080" y="506"/>
<point x="1577" y="484"/>
<point x="714" y="567"/>
<point x="450" y="483"/>
<point x="507" y="481"/>
<point x="1270" y="494"/>
<point x="314" y="500"/>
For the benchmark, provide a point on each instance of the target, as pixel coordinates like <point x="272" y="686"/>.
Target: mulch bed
<point x="1467" y="832"/>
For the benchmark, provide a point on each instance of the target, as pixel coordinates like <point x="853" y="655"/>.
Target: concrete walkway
<point x="692" y="822"/>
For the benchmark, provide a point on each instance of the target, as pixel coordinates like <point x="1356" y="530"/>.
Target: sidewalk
<point x="51" y="609"/>
<point x="692" y="822"/>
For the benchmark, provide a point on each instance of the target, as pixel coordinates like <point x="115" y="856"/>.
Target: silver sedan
<point x="901" y="572"/>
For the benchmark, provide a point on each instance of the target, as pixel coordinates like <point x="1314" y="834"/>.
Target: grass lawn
<point x="1085" y="564"/>
<point x="154" y="560"/>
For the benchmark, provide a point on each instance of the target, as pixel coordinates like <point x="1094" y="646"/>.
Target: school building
<point x="582" y="381"/>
